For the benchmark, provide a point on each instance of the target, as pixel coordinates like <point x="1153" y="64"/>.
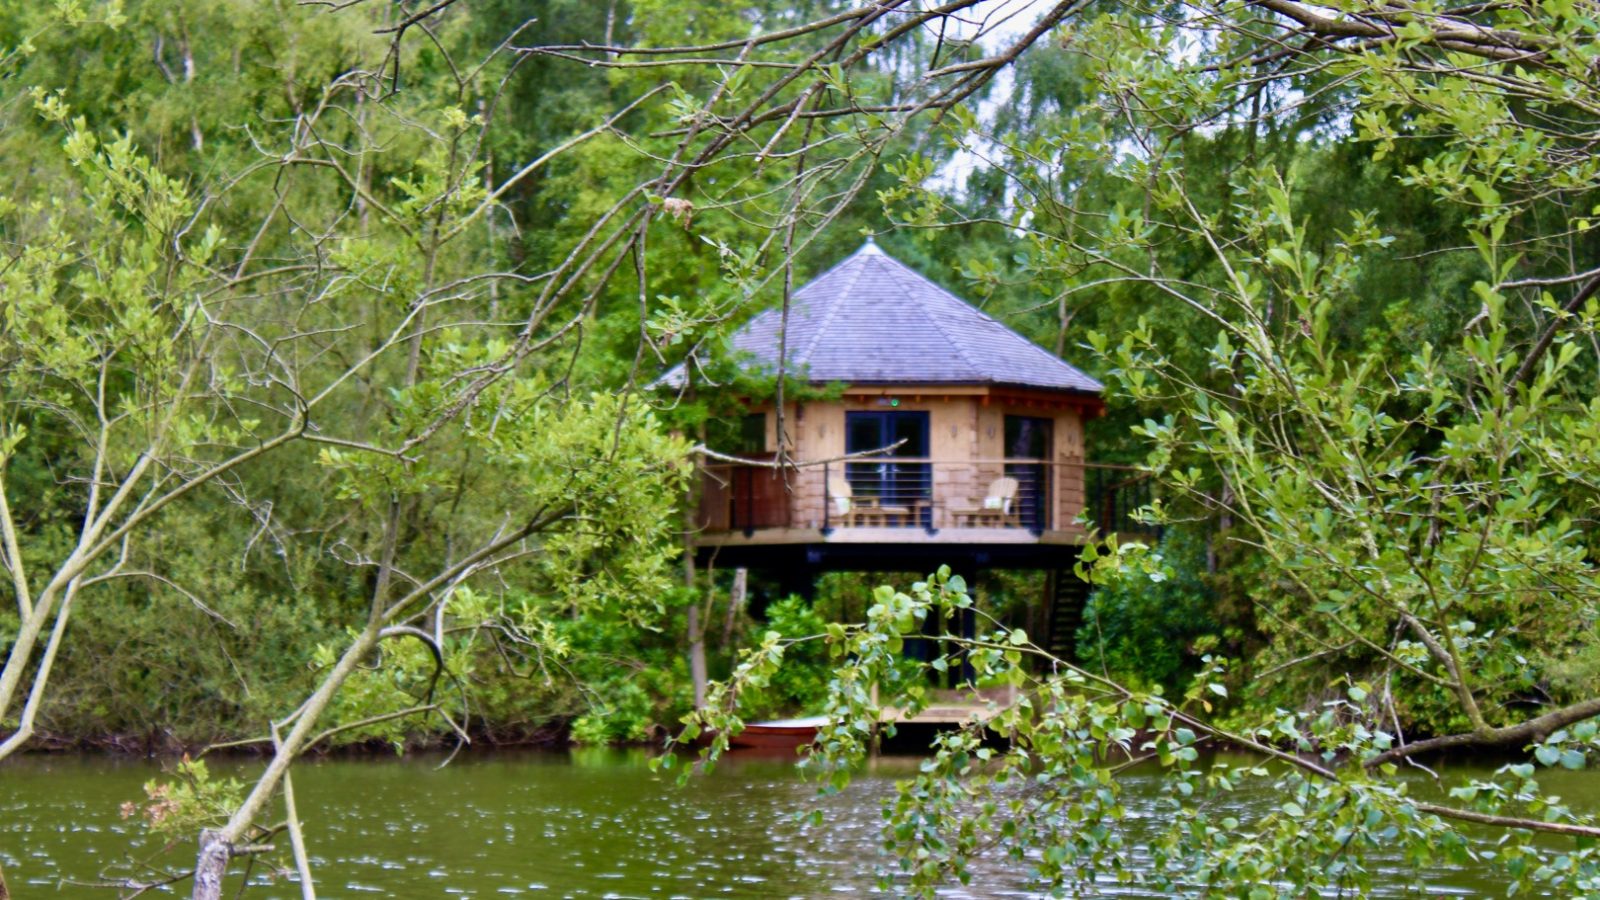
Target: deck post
<point x="967" y="621"/>
<point x="827" y="499"/>
<point x="1042" y="495"/>
<point x="749" y="502"/>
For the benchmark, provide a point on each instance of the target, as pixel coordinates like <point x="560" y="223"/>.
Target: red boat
<point x="779" y="734"/>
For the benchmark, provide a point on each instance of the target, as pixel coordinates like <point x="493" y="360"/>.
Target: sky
<point x="996" y="24"/>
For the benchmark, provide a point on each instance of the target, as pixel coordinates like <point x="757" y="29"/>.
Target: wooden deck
<point x="767" y="537"/>
<point x="943" y="714"/>
<point x="955" y="706"/>
<point x="888" y="549"/>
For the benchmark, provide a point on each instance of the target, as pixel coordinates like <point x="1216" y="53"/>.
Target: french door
<point x="894" y="483"/>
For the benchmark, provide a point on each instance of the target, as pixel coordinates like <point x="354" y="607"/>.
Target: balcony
<point x="979" y="508"/>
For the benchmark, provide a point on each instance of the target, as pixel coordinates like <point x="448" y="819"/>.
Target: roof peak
<point x="870" y="248"/>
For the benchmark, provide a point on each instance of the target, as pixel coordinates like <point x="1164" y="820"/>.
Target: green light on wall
<point x="894" y="401"/>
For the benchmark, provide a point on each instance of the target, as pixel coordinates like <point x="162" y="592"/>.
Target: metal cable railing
<point x="902" y="492"/>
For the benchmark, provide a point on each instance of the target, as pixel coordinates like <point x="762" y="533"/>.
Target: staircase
<point x="1065" y="595"/>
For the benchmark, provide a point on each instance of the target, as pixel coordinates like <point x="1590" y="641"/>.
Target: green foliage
<point x="1051" y="799"/>
<point x="1351" y="328"/>
<point x="1338" y="466"/>
<point x="799" y="686"/>
<point x="1151" y="629"/>
<point x="603" y="563"/>
<point x="191" y="801"/>
<point x="625" y="682"/>
<point x="223" y="252"/>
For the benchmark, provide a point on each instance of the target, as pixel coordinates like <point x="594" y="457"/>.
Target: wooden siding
<point x="966" y="432"/>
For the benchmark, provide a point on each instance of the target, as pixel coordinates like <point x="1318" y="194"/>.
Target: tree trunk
<point x="697" y="628"/>
<point x="4" y="894"/>
<point x="697" y="655"/>
<point x="736" y="601"/>
<point x="212" y="866"/>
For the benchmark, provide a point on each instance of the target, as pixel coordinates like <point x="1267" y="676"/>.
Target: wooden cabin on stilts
<point x="988" y="467"/>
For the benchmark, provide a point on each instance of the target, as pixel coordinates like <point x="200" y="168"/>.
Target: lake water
<point x="590" y="823"/>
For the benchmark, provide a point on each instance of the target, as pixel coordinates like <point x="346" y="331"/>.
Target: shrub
<point x="1146" y="630"/>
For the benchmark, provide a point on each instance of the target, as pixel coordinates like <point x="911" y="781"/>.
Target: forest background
<point x="246" y="601"/>
<point x="325" y="334"/>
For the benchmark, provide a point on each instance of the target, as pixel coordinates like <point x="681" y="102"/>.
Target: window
<point x="753" y="433"/>
<point x="1028" y="437"/>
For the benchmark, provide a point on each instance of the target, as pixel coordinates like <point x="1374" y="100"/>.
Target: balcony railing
<point x="933" y="495"/>
<point x="1114" y="494"/>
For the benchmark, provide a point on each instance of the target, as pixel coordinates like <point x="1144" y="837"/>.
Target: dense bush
<point x="1148" y="631"/>
<point x="802" y="683"/>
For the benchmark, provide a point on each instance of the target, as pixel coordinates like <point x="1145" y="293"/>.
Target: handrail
<point x="931" y="493"/>
<point x="937" y="461"/>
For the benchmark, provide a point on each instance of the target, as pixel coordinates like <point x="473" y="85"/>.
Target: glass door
<point x="900" y="486"/>
<point x="1028" y="443"/>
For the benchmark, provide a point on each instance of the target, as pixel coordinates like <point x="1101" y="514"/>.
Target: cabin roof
<point x="871" y="319"/>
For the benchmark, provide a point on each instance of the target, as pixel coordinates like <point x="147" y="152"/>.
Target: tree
<point x="1412" y="511"/>
<point x="152" y="355"/>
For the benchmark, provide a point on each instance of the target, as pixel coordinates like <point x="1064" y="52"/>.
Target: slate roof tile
<point x="871" y="319"/>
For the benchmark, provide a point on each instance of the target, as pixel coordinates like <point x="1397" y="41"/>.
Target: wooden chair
<point x="852" y="511"/>
<point x="998" y="508"/>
